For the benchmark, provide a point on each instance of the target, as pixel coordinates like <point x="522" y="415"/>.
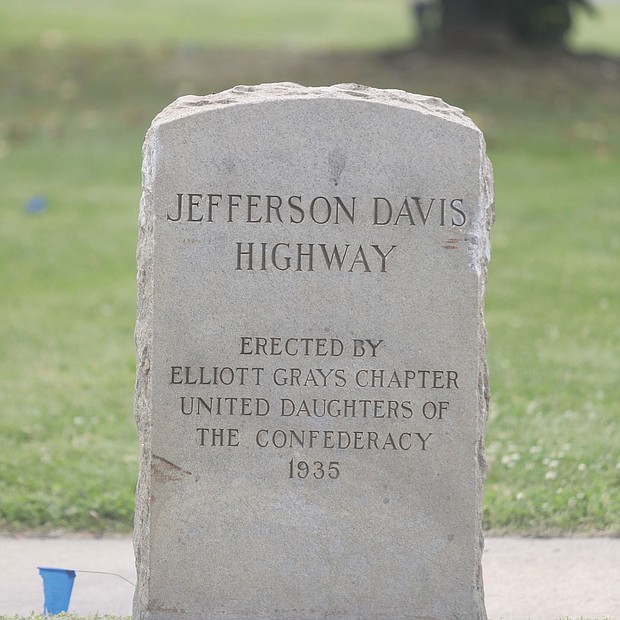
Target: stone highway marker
<point x="312" y="388"/>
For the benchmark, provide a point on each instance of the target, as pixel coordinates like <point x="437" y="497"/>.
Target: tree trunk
<point x="473" y="24"/>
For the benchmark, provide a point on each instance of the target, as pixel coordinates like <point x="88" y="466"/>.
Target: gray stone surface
<point x="311" y="391"/>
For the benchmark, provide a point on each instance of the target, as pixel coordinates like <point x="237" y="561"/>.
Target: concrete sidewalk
<point x="541" y="579"/>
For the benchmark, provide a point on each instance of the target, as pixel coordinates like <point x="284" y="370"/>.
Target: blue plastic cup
<point x="57" y="587"/>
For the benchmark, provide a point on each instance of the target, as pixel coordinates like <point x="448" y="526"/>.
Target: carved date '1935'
<point x="317" y="470"/>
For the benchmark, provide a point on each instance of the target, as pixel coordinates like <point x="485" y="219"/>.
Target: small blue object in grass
<point x="57" y="587"/>
<point x="36" y="204"/>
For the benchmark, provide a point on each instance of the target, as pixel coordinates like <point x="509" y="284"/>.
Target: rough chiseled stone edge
<point x="480" y="255"/>
<point x="479" y="244"/>
<point x="143" y="388"/>
<point x="192" y="104"/>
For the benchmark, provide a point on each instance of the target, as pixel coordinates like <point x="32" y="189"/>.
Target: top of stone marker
<point x="193" y="104"/>
<point x="190" y="105"/>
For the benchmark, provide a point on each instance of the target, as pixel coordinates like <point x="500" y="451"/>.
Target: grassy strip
<point x="244" y="24"/>
<point x="598" y="32"/>
<point x="247" y="24"/>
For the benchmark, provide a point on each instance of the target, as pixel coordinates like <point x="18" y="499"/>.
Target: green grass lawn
<point x="598" y="32"/>
<point x="75" y="110"/>
<point x="243" y="24"/>
<point x="247" y="24"/>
